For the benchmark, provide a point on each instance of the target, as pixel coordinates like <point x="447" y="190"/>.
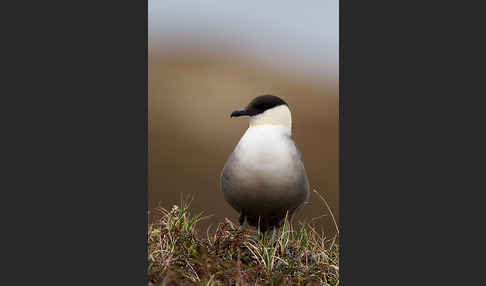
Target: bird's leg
<point x="242" y="220"/>
<point x="273" y="233"/>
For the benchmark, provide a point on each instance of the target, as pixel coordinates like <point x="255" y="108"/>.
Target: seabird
<point x="264" y="177"/>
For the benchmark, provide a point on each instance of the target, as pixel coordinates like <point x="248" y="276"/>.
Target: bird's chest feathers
<point x="266" y="155"/>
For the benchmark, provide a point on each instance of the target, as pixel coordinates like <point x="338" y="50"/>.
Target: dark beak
<point x="239" y="112"/>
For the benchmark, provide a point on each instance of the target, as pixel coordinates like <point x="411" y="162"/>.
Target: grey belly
<point x="255" y="196"/>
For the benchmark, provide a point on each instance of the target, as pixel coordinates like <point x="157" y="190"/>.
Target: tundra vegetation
<point x="229" y="255"/>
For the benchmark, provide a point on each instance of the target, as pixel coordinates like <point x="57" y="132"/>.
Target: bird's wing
<point x="304" y="178"/>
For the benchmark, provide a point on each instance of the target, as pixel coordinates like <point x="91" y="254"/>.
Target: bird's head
<point x="266" y="110"/>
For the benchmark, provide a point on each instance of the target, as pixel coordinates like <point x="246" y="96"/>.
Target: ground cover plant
<point x="296" y="254"/>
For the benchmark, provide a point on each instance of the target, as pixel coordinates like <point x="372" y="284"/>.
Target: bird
<point x="264" y="178"/>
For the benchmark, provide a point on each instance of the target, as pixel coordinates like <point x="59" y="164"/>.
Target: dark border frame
<point x="76" y="145"/>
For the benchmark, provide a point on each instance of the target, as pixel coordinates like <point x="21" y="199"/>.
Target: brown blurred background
<point x="205" y="62"/>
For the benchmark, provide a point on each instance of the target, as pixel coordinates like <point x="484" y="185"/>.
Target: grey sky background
<point x="300" y="37"/>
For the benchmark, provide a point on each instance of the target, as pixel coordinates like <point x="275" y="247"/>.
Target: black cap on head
<point x="259" y="104"/>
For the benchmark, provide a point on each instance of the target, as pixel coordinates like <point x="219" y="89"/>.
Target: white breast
<point x="266" y="155"/>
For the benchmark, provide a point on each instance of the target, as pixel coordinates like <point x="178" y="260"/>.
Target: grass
<point x="179" y="255"/>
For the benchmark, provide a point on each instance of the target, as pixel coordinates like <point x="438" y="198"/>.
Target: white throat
<point x="279" y="116"/>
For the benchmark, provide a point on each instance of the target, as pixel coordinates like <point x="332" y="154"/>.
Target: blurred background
<point x="208" y="58"/>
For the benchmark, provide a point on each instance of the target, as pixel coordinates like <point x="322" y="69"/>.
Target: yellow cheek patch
<point x="264" y="122"/>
